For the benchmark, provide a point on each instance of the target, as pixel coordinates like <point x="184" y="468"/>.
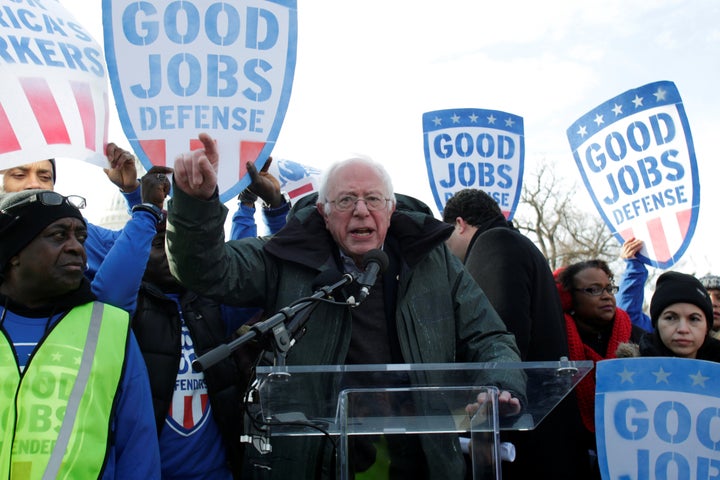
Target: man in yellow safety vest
<point x="74" y="394"/>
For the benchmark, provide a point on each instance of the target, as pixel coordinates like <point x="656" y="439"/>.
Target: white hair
<point x="355" y="159"/>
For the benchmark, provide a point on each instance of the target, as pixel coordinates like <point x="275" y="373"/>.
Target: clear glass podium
<point x="346" y="401"/>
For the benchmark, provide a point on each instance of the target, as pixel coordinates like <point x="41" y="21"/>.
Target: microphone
<point x="374" y="261"/>
<point x="330" y="280"/>
<point x="327" y="282"/>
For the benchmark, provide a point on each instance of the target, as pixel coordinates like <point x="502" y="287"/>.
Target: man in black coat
<point x="518" y="281"/>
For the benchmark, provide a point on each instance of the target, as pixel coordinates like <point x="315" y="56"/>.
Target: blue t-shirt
<point x="190" y="442"/>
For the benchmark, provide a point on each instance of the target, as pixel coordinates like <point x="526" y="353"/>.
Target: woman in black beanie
<point x="682" y="316"/>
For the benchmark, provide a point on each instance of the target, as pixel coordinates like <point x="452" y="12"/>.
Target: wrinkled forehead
<point x="357" y="178"/>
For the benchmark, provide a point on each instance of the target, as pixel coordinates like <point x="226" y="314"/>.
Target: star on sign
<point x="437" y="121"/>
<point x="638" y="101"/>
<point x="599" y="120"/>
<point x="660" y="94"/>
<point x="473" y="118"/>
<point x="509" y="122"/>
<point x="56" y="357"/>
<point x="582" y="131"/>
<point x="617" y="109"/>
<point x="661" y="376"/>
<point x="699" y="379"/>
<point x="626" y="376"/>
<point x="491" y="119"/>
<point x="455" y="118"/>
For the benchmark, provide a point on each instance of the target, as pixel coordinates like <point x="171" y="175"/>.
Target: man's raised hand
<point x="196" y="171"/>
<point x="122" y="171"/>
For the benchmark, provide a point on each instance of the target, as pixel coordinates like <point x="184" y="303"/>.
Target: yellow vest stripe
<point x="71" y="411"/>
<point x="9" y="378"/>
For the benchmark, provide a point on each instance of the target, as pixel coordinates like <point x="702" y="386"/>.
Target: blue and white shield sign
<point x="637" y="159"/>
<point x="181" y="68"/>
<point x="475" y="148"/>
<point x="658" y="418"/>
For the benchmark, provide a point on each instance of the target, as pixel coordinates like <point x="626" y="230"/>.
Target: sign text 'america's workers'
<point x="658" y="418"/>
<point x="475" y="148"/>
<point x="53" y="95"/>
<point x="184" y="67"/>
<point x="636" y="157"/>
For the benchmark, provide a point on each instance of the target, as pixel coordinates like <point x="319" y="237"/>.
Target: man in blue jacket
<point x="74" y="394"/>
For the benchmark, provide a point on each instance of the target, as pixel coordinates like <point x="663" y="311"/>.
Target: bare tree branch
<point x="564" y="234"/>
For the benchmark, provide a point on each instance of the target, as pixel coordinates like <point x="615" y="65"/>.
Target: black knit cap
<point x="19" y="226"/>
<point x="676" y="287"/>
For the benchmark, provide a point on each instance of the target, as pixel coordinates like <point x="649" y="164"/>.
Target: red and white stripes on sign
<point x="156" y="151"/>
<point x="46" y="112"/>
<point x="302" y="189"/>
<point x="662" y="235"/>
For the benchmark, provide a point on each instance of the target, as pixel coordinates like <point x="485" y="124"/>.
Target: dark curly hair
<point x="473" y="205"/>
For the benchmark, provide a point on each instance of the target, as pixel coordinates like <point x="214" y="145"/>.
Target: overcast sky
<point x="367" y="71"/>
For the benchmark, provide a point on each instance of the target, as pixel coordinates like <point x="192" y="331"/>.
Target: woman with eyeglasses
<point x="595" y="328"/>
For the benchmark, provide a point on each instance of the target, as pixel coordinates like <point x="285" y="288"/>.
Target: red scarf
<point x="585" y="390"/>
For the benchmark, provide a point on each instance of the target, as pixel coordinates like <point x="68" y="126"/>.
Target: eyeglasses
<point x="597" y="290"/>
<point x="50" y="199"/>
<point x="349" y="202"/>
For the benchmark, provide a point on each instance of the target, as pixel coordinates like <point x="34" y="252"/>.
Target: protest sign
<point x="637" y="160"/>
<point x="53" y="100"/>
<point x="296" y="179"/>
<point x="475" y="148"/>
<point x="658" y="418"/>
<point x="181" y="68"/>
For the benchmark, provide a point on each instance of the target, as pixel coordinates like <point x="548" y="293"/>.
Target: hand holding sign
<point x="265" y="185"/>
<point x="122" y="171"/>
<point x="196" y="171"/>
<point x="630" y="248"/>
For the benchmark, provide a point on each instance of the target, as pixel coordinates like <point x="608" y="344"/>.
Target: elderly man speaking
<point x="424" y="308"/>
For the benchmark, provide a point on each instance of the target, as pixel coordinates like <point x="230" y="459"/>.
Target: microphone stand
<point x="282" y="340"/>
<point x="253" y="434"/>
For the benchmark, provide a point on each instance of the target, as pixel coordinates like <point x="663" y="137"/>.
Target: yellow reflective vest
<point x="55" y="418"/>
